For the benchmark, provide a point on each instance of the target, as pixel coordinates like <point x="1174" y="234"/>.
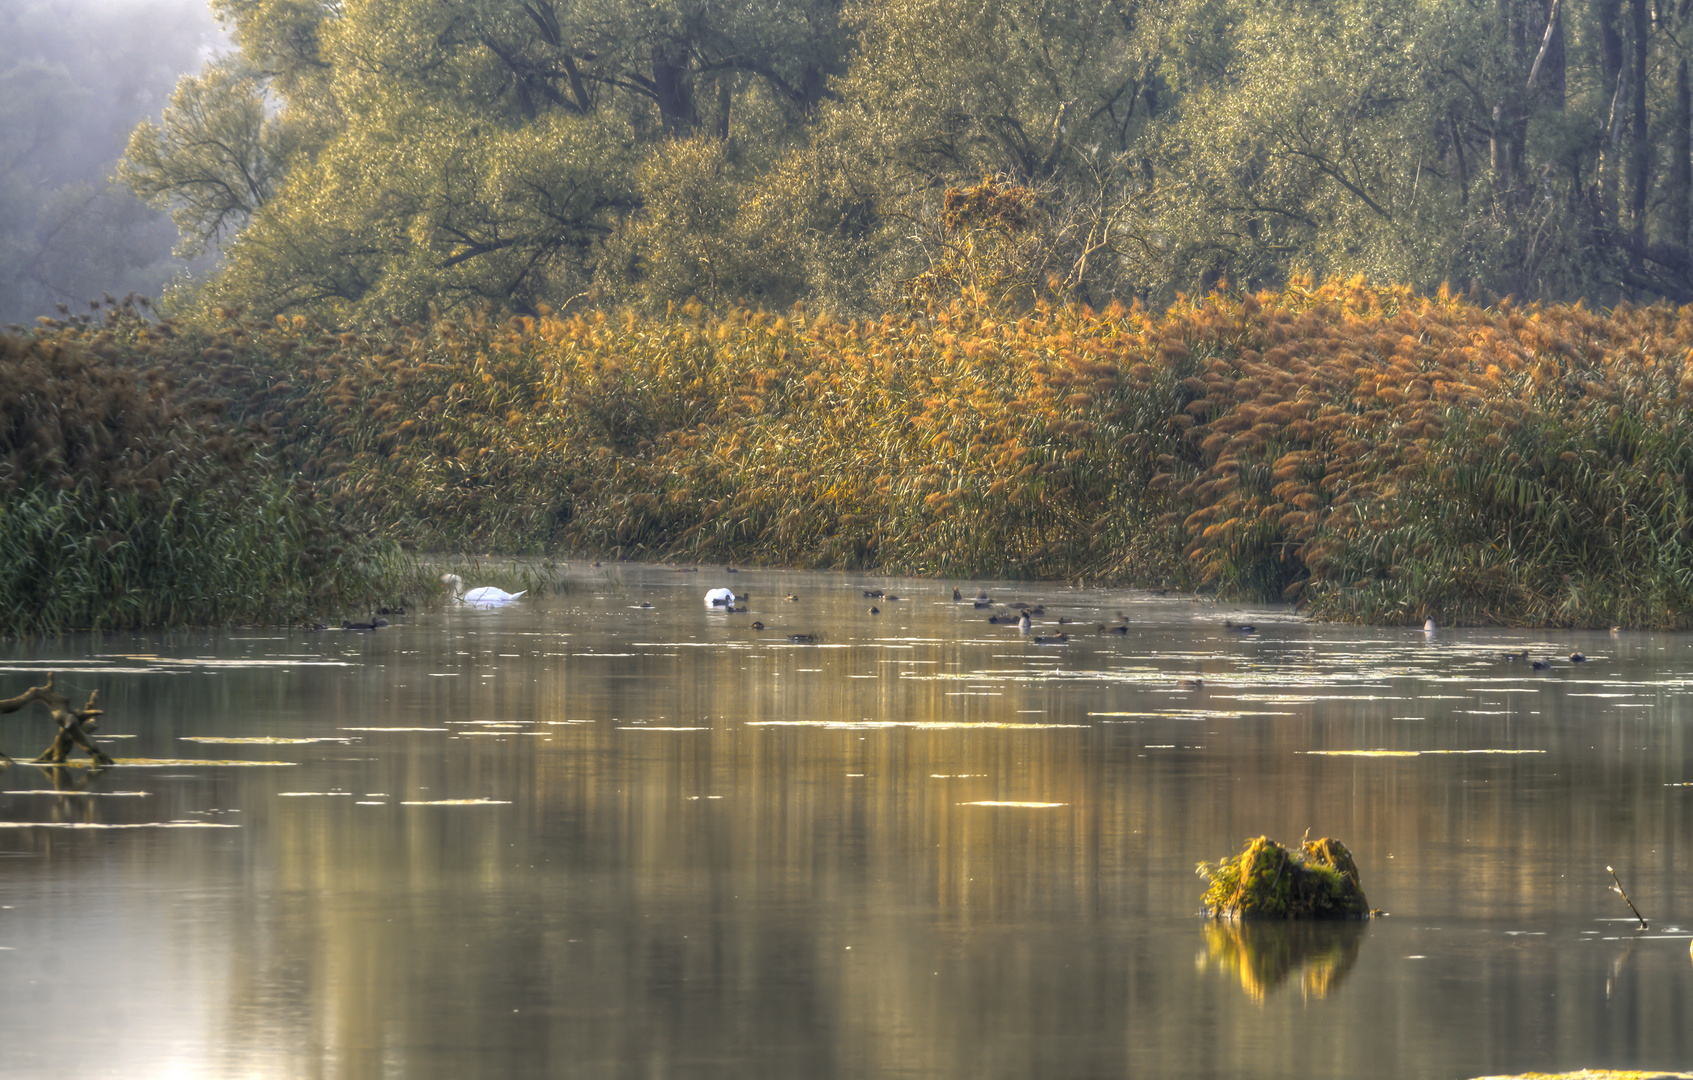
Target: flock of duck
<point x="1017" y="614"/>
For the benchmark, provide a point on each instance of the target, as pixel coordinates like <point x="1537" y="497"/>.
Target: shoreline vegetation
<point x="1371" y="454"/>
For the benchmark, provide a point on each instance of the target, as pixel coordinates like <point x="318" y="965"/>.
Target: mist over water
<point x="582" y="837"/>
<point x="76" y="76"/>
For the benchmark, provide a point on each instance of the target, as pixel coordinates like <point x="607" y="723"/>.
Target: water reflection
<point x="583" y="837"/>
<point x="1263" y="954"/>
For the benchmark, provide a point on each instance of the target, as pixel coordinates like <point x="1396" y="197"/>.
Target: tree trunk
<point x="1608" y="14"/>
<point x="1640" y="150"/>
<point x="673" y="92"/>
<point x="1681" y="160"/>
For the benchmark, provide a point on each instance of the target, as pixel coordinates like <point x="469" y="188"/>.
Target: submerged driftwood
<point x="74" y="724"/>
<point x="1268" y="881"/>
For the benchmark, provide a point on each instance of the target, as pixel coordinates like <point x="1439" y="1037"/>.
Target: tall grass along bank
<point x="1370" y="453"/>
<point x="125" y="504"/>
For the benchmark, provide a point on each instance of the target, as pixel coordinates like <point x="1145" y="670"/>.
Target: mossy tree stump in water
<point x="74" y="724"/>
<point x="1268" y="881"/>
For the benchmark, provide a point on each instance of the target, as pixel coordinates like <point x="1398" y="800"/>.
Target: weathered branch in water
<point x="73" y="724"/>
<point x="1617" y="888"/>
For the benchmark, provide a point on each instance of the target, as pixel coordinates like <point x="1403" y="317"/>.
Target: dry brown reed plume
<point x="1371" y="452"/>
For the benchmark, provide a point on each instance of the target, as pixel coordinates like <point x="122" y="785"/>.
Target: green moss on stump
<point x="1268" y="881"/>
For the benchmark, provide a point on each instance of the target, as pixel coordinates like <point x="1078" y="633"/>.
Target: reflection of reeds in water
<point x="1264" y="955"/>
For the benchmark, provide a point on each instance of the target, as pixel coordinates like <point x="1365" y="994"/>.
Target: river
<point x="581" y="836"/>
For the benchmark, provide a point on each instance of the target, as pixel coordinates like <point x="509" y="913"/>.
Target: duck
<point x="1541" y="665"/>
<point x="873" y="594"/>
<point x="485" y="594"/>
<point x="1025" y="623"/>
<point x="1577" y="658"/>
<point x="1055" y="639"/>
<point x="720" y="598"/>
<point x="803" y="639"/>
<point x="874" y="610"/>
<point x="791" y="598"/>
<point x="1241" y="628"/>
<point x="1428" y="626"/>
<point x="1103" y="629"/>
<point x="957" y="597"/>
<point x="373" y="625"/>
<point x="1195" y="683"/>
<point x="757" y="625"/>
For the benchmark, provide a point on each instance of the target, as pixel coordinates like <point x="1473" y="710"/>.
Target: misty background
<point x="76" y="76"/>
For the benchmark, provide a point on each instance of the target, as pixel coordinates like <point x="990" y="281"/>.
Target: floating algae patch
<point x="643" y="727"/>
<point x="395" y="729"/>
<point x="1410" y="753"/>
<point x="925" y="725"/>
<point x="81" y="794"/>
<point x="260" y="740"/>
<point x="1028" y="805"/>
<point x="456" y="802"/>
<point x="99" y="825"/>
<point x="1268" y="881"/>
<point x="1195" y="714"/>
<point x="156" y="763"/>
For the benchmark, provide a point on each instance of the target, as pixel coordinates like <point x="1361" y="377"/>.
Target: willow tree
<point x="1528" y="147"/>
<point x="1052" y="97"/>
<point x="457" y="152"/>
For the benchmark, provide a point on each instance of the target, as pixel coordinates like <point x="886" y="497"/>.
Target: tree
<point x="390" y="153"/>
<point x="216" y="158"/>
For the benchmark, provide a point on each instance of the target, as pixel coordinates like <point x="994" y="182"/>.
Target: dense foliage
<point x="1375" y="454"/>
<point x="370" y="157"/>
<point x="126" y="504"/>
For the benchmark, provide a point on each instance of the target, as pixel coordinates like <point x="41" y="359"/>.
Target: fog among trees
<point x="75" y="77"/>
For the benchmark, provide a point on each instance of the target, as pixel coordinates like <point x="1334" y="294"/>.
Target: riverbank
<point x="1373" y="454"/>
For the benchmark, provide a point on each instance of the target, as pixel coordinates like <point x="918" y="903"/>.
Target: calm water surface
<point x="923" y="846"/>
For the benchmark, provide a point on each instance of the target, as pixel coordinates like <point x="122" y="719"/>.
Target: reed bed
<point x="125" y="504"/>
<point x="1371" y="453"/>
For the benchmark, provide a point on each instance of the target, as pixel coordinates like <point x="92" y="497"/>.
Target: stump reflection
<point x="1264" y="955"/>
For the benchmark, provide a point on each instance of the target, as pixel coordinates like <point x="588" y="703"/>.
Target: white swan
<point x="483" y="595"/>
